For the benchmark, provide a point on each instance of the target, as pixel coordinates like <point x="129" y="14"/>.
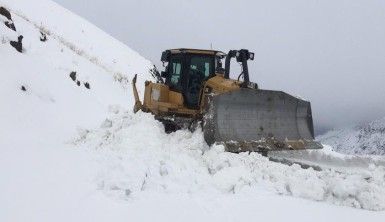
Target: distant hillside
<point x="364" y="139"/>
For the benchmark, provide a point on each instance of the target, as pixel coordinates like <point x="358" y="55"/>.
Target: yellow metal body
<point x="161" y="101"/>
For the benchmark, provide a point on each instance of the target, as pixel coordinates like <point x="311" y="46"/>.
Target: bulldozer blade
<point x="259" y="120"/>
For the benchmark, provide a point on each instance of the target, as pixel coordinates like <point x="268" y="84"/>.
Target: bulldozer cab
<point x="187" y="69"/>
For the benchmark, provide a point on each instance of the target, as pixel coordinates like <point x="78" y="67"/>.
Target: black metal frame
<point x="242" y="56"/>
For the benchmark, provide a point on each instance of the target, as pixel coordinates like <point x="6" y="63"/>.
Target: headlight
<point x="251" y="56"/>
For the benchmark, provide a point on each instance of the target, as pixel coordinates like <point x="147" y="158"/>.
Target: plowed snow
<point x="136" y="156"/>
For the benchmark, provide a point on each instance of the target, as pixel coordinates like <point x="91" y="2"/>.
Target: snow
<point x="367" y="139"/>
<point x="44" y="68"/>
<point x="182" y="163"/>
<point x="68" y="153"/>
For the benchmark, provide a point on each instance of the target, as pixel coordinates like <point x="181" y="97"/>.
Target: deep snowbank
<point x="363" y="140"/>
<point x="137" y="157"/>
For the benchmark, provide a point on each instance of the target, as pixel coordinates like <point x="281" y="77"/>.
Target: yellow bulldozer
<point x="196" y="90"/>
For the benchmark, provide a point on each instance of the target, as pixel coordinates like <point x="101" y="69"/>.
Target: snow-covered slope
<point x="55" y="44"/>
<point x="72" y="152"/>
<point x="42" y="106"/>
<point x="364" y="139"/>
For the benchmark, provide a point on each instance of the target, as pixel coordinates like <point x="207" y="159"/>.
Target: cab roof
<point x="197" y="51"/>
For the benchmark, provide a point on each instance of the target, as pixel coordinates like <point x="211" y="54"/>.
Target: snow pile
<point x="365" y="139"/>
<point x="137" y="157"/>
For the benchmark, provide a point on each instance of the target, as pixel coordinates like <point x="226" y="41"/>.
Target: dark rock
<point x="10" y="25"/>
<point x="23" y="88"/>
<point x="78" y="83"/>
<point x="73" y="76"/>
<point x="43" y="37"/>
<point x="18" y="45"/>
<point x="6" y="13"/>
<point x="87" y="85"/>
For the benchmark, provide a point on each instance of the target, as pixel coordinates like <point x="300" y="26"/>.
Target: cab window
<point x="175" y="71"/>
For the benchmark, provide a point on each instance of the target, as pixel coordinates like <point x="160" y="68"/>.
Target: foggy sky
<point x="331" y="52"/>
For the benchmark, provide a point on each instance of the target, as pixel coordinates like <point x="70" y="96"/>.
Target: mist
<point x="329" y="52"/>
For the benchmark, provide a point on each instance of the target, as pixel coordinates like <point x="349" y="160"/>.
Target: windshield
<point x="204" y="65"/>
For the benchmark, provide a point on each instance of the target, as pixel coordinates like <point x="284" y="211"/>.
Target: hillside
<point x="71" y="148"/>
<point x="68" y="70"/>
<point x="367" y="139"/>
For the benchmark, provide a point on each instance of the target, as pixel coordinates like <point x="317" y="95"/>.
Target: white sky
<point x="331" y="52"/>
